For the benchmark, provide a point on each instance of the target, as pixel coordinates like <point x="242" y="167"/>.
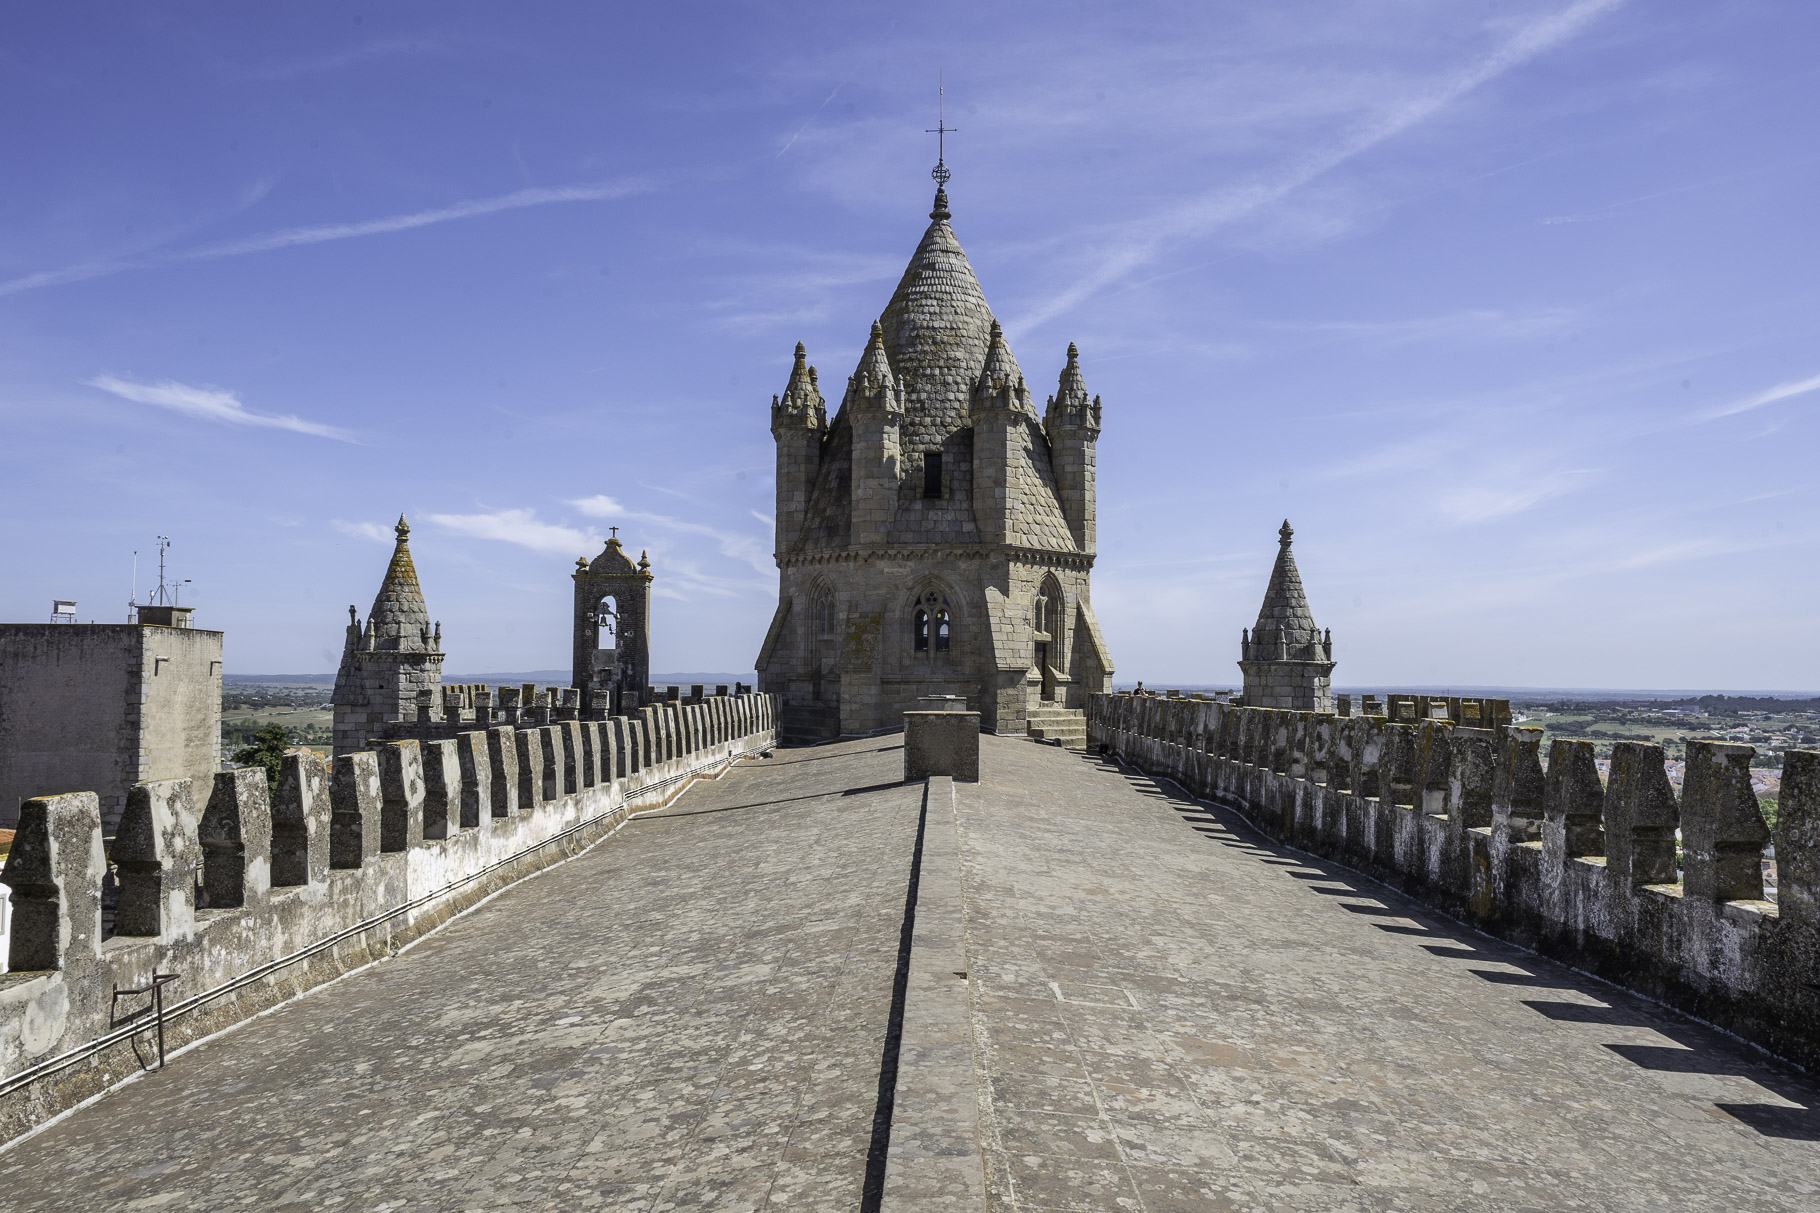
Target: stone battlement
<point x="250" y="899"/>
<point x="1474" y="821"/>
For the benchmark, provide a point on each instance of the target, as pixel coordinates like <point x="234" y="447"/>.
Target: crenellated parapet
<point x="249" y="898"/>
<point x="1457" y="806"/>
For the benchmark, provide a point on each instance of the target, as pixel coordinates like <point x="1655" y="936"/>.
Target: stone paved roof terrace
<point x="1165" y="1011"/>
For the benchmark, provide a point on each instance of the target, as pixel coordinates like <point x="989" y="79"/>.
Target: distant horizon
<point x="560" y="677"/>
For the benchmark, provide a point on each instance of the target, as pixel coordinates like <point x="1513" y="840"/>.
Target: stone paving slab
<point x="1174" y="1014"/>
<point x="689" y="1016"/>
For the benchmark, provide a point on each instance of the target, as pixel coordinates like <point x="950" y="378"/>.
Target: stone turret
<point x="387" y="662"/>
<point x="799" y="421"/>
<point x="1001" y="415"/>
<point x="1072" y="422"/>
<point x="875" y="409"/>
<point x="1287" y="661"/>
<point x="613" y="627"/>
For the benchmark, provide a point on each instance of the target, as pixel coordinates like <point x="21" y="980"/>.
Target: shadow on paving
<point x="691" y="1015"/>
<point x="1697" y="1048"/>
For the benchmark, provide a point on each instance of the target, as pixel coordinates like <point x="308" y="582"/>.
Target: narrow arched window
<point x="932" y="474"/>
<point x="920" y="631"/>
<point x="941" y="631"/>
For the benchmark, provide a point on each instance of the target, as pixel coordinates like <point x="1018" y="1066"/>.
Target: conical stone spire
<point x="874" y="364"/>
<point x="1286" y="661"/>
<point x="1001" y="384"/>
<point x="1284" y="618"/>
<point x="1071" y="406"/>
<point x="937" y="329"/>
<point x="399" y="621"/>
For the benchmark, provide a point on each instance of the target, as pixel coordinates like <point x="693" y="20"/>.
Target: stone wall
<point x="1474" y="822"/>
<point x="251" y="900"/>
<point x="104" y="706"/>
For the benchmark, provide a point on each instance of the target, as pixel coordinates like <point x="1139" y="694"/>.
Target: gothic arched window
<point x="941" y="631"/>
<point x="919" y="630"/>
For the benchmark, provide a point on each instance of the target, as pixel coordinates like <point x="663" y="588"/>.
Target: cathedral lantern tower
<point x="936" y="535"/>
<point x="1287" y="661"/>
<point x="612" y="630"/>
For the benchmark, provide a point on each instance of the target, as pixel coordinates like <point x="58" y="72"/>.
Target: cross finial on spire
<point x="615" y="531"/>
<point x="941" y="130"/>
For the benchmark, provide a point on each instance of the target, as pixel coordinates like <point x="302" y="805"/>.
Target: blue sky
<point x="1510" y="307"/>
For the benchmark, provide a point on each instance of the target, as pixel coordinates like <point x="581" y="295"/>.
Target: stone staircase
<point x="808" y="724"/>
<point x="1067" y="726"/>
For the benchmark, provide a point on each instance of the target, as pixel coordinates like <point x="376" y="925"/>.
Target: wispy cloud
<point x="521" y="527"/>
<point x="211" y="404"/>
<point x="736" y="545"/>
<point x="1148" y="240"/>
<point x="365" y="530"/>
<point x="811" y="118"/>
<point x="295" y="237"/>
<point x="1476" y="324"/>
<point x="1782" y="391"/>
<point x="363" y="53"/>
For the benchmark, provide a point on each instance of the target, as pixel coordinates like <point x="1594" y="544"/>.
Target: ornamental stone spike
<point x="801" y="405"/>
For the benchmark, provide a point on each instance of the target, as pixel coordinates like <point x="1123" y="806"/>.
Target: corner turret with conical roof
<point x="391" y="660"/>
<point x="918" y="528"/>
<point x="1286" y="660"/>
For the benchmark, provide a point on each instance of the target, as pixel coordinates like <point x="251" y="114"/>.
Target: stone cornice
<point x="868" y="554"/>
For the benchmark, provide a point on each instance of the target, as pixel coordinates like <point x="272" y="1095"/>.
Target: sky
<point x="1511" y="308"/>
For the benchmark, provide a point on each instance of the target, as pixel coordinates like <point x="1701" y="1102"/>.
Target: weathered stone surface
<point x="157" y="860"/>
<point x="54" y="870"/>
<point x="1573" y="798"/>
<point x="300" y="821"/>
<point x="1798" y="840"/>
<point x="942" y="743"/>
<point x="1641" y="816"/>
<point x="400" y="795"/>
<point x="354" y="798"/>
<point x="1722" y="827"/>
<point x="236" y="839"/>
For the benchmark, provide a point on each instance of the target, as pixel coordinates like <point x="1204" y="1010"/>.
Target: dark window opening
<point x="932" y="474"/>
<point x="941" y="631"/>
<point x="921" y="631"/>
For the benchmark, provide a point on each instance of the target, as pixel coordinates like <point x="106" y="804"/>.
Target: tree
<point x="266" y="751"/>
